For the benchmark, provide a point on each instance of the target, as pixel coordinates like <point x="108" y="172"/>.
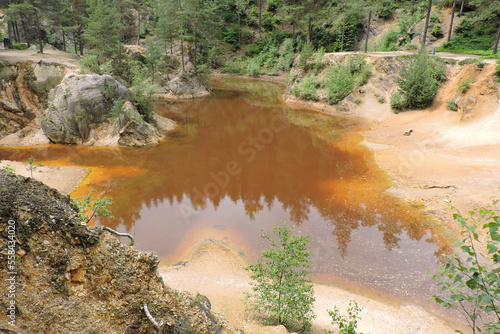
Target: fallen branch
<point x="131" y="327"/>
<point x="10" y="330"/>
<point x="153" y="321"/>
<point x="105" y="228"/>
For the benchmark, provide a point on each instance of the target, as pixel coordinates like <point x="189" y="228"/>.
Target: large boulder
<point x="80" y="112"/>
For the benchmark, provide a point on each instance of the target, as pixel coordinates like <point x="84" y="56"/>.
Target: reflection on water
<point x="240" y="162"/>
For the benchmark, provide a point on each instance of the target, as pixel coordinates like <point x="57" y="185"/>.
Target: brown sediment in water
<point x="313" y="171"/>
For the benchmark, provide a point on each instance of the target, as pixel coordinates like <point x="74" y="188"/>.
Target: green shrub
<point x="20" y="46"/>
<point x="306" y="89"/>
<point x="346" y="324"/>
<point x="397" y="102"/>
<point x="339" y="83"/>
<point x="305" y="54"/>
<point x="468" y="61"/>
<point x="357" y="100"/>
<point x="388" y="42"/>
<point x="451" y="105"/>
<point x="497" y="69"/>
<point x="419" y="81"/>
<point x="465" y="84"/>
<point x="381" y="99"/>
<point x="472" y="36"/>
<point x="253" y="67"/>
<point x="437" y="31"/>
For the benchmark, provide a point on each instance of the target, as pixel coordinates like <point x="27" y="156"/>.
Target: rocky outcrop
<point x="24" y="88"/>
<point x="72" y="278"/>
<point x="187" y="84"/>
<point x="82" y="111"/>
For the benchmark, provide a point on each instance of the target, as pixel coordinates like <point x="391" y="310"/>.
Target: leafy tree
<point x="470" y="280"/>
<point x="282" y="294"/>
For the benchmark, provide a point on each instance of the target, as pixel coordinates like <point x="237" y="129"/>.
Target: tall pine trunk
<point x="64" y="40"/>
<point x="451" y="21"/>
<point x="461" y="9"/>
<point x="368" y="30"/>
<point x="138" y="26"/>
<point x="427" y="23"/>
<point x="37" y="25"/>
<point x="343" y="28"/>
<point x="260" y="15"/>
<point x="182" y="37"/>
<point x="495" y="48"/>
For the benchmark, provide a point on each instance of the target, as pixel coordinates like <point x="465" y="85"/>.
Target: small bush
<point x="339" y="83"/>
<point x="451" y="105"/>
<point x="468" y="61"/>
<point x="397" y="102"/>
<point x="381" y="99"/>
<point x="346" y="324"/>
<point x="388" y="42"/>
<point x="306" y="89"/>
<point x="437" y="31"/>
<point x="464" y="85"/>
<point x="20" y="46"/>
<point x="357" y="100"/>
<point x="497" y="69"/>
<point x="419" y="81"/>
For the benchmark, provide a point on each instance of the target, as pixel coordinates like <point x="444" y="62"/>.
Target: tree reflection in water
<point x="243" y="146"/>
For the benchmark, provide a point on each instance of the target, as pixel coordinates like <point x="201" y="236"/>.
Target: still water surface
<point x="241" y="161"/>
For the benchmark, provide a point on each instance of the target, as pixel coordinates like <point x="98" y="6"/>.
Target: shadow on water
<point x="241" y="161"/>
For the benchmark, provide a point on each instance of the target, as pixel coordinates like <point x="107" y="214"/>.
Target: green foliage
<point x="20" y="46"/>
<point x="473" y="36"/>
<point x="470" y="280"/>
<point x="306" y="89"/>
<point x="397" y="102"/>
<point x="93" y="206"/>
<point x="381" y="99"/>
<point x="497" y="69"/>
<point x="418" y="82"/>
<point x="464" y="85"/>
<point x="306" y="52"/>
<point x="346" y="324"/>
<point x="451" y="105"/>
<point x="468" y="61"/>
<point x="339" y="83"/>
<point x="282" y="294"/>
<point x="31" y="167"/>
<point x="7" y="169"/>
<point x="388" y="42"/>
<point x="437" y="31"/>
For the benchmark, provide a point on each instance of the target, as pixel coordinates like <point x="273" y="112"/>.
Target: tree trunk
<point x="64" y="40"/>
<point x="461" y="9"/>
<point x="427" y="23"/>
<point x="26" y="37"/>
<point x="16" y="33"/>
<point x="37" y="25"/>
<point x="75" y="43"/>
<point x="368" y="30"/>
<point x="495" y="48"/>
<point x="310" y="30"/>
<point x="79" y="31"/>
<point x="343" y="29"/>
<point x="9" y="32"/>
<point x="451" y="21"/>
<point x="239" y="25"/>
<point x="260" y="15"/>
<point x="182" y="38"/>
<point x="139" y="26"/>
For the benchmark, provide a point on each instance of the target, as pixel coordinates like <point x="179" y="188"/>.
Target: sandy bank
<point x="64" y="179"/>
<point x="217" y="272"/>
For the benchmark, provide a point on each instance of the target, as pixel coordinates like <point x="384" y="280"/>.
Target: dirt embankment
<point x="451" y="158"/>
<point x="66" y="277"/>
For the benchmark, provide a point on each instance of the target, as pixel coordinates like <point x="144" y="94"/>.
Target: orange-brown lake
<point x="241" y="161"/>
